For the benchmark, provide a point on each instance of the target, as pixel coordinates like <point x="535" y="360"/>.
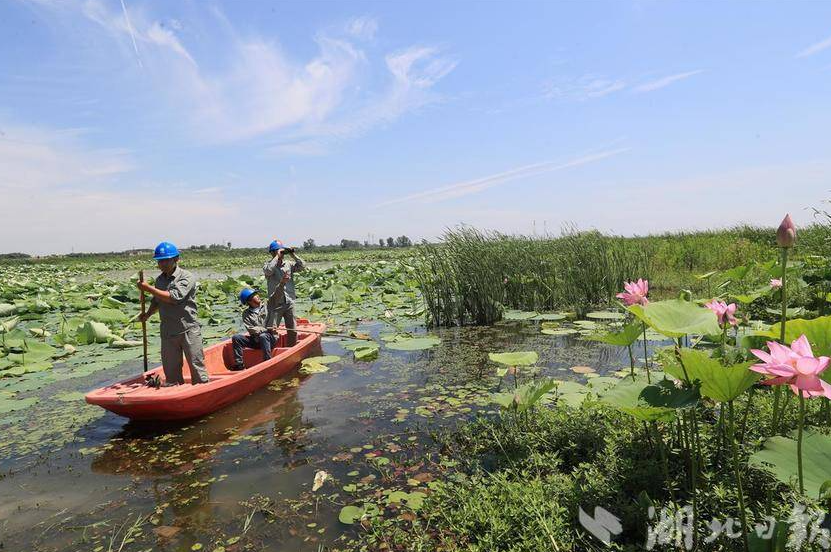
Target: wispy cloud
<point x="256" y="89"/>
<point x="415" y="71"/>
<point x="87" y="198"/>
<point x="582" y="88"/>
<point x="663" y="82"/>
<point x="815" y="48"/>
<point x="34" y="158"/>
<point x="593" y="86"/>
<point x="363" y="27"/>
<point x="477" y="185"/>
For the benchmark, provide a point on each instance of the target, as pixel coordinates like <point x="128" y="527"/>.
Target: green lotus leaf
<point x="649" y="402"/>
<point x="720" y="383"/>
<point x="124" y="343"/>
<point x="413" y="343"/>
<point x="628" y="335"/>
<point x="747" y="298"/>
<point x="32" y="352"/>
<point x="778" y="457"/>
<point x="817" y="330"/>
<point x="326" y="359"/>
<point x="559" y="331"/>
<point x="14" y="405"/>
<point x="606" y="315"/>
<point x="572" y="393"/>
<point x="550" y="316"/>
<point x="676" y="318"/>
<point x="520" y="358"/>
<point x="112" y="303"/>
<point x="351" y="514"/>
<point x="312" y="367"/>
<point x="519" y="315"/>
<point x="93" y="332"/>
<point x="366" y="352"/>
<point x="790" y="313"/>
<point x="8" y="325"/>
<point x="525" y="396"/>
<point x="107" y="316"/>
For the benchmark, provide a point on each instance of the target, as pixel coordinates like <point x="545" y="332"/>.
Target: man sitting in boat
<point x="174" y="299"/>
<point x="258" y="335"/>
<point x="281" y="295"/>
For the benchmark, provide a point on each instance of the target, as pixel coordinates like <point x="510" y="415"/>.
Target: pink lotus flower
<point x="724" y="312"/>
<point x="786" y="233"/>
<point x="776" y="283"/>
<point x="635" y="293"/>
<point x="795" y="366"/>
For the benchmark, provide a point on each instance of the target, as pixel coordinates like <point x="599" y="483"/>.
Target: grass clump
<point x="518" y="484"/>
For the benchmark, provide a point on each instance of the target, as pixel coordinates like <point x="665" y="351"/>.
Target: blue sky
<point x="122" y="124"/>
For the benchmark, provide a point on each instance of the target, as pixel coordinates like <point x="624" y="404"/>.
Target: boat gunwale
<point x="107" y="395"/>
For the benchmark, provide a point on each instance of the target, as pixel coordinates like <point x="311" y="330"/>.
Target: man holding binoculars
<point x="281" y="294"/>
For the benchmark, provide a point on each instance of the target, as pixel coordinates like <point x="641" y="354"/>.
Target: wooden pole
<point x="143" y="321"/>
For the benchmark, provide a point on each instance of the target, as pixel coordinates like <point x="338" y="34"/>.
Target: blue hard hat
<point x="275" y="245"/>
<point x="246" y="294"/>
<point x="165" y="250"/>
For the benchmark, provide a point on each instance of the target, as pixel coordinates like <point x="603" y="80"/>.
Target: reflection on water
<point x="245" y="472"/>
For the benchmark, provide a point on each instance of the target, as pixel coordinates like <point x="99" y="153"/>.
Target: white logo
<point x="603" y="525"/>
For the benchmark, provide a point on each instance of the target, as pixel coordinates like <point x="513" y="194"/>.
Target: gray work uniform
<point x="258" y="336"/>
<point x="254" y="320"/>
<point x="281" y="299"/>
<point x="179" y="328"/>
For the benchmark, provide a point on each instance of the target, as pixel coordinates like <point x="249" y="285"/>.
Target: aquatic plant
<point x="635" y="293"/>
<point x="797" y="367"/>
<point x="785" y="239"/>
<point x="473" y="277"/>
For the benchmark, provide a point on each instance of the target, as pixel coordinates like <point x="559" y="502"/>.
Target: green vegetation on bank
<point x="476" y="438"/>
<point x="717" y="438"/>
<point x="473" y="276"/>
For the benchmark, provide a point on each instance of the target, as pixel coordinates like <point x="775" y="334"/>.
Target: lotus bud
<point x="786" y="233"/>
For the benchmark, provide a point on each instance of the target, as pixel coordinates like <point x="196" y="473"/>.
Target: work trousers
<point x="266" y="341"/>
<point x="189" y="344"/>
<point x="283" y="312"/>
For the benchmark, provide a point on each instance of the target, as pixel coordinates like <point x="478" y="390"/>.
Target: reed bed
<point x="472" y="276"/>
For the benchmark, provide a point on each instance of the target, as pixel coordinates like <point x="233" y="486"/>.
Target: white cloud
<point x="477" y="185"/>
<point x="32" y="159"/>
<point x="665" y="81"/>
<point x="253" y="88"/>
<point x="363" y="27"/>
<point x="415" y="72"/>
<point x="815" y="48"/>
<point x="583" y="88"/>
<point x="61" y="195"/>
<point x="592" y="86"/>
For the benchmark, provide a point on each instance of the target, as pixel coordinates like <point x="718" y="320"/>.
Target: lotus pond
<point x="404" y="437"/>
<point x="75" y="477"/>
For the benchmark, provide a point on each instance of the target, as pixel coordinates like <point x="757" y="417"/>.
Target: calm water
<point x="246" y="472"/>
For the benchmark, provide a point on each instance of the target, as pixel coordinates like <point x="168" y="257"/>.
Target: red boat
<point x="133" y="399"/>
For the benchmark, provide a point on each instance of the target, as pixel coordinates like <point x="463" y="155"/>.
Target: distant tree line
<point x="212" y="247"/>
<point x="400" y="241"/>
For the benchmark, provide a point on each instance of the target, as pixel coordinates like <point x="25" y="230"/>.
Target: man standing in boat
<point x="258" y="335"/>
<point x="281" y="295"/>
<point x="174" y="299"/>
